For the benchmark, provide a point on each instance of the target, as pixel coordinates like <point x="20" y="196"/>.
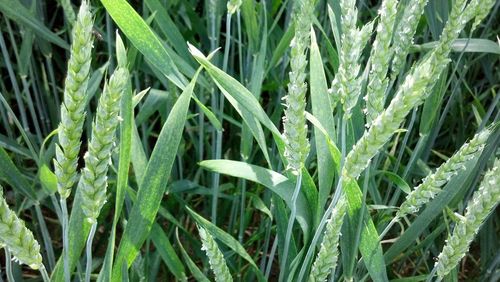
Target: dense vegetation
<point x="244" y="140"/>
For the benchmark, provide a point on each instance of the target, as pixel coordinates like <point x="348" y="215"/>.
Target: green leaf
<point x="10" y="174"/>
<point x="47" y="178"/>
<point x="473" y="45"/>
<point x="272" y="180"/>
<point x="210" y="115"/>
<point x="167" y="252"/>
<point x="396" y="179"/>
<point x="321" y="109"/>
<point x="369" y="245"/>
<point x="16" y="11"/>
<point x="282" y="47"/>
<point x="242" y="100"/>
<point x="144" y="39"/>
<point x="168" y="27"/>
<point x="153" y="184"/>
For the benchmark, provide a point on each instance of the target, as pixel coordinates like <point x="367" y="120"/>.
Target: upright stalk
<point x="88" y="252"/>
<point x="65" y="225"/>
<point x="218" y="140"/>
<point x="291" y="220"/>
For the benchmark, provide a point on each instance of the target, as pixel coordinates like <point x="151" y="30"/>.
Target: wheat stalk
<point x="483" y="202"/>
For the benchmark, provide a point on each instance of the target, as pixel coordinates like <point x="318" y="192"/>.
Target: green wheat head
<point x="327" y="257"/>
<point x="381" y="54"/>
<point x="73" y="107"/>
<point x="98" y="157"/>
<point x="414" y="90"/>
<point x="353" y="41"/>
<point x="17" y="238"/>
<point x="215" y="257"/>
<point x="483" y="202"/>
<point x="433" y="183"/>
<point x="403" y="37"/>
<point x="294" y="120"/>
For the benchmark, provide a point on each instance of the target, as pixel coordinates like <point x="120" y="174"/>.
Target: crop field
<point x="245" y="140"/>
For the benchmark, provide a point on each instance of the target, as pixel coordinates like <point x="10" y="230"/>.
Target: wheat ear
<point x="73" y="107"/>
<point x="403" y="37"/>
<point x="98" y="157"/>
<point x="294" y="121"/>
<point x="483" y="8"/>
<point x="381" y="53"/>
<point x="17" y="237"/>
<point x="353" y="42"/>
<point x="326" y="260"/>
<point x="215" y="257"/>
<point x="483" y="202"/>
<point x="433" y="183"/>
<point x="415" y="88"/>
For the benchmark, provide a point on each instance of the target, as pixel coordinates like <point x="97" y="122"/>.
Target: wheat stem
<point x="65" y="230"/>
<point x="45" y="275"/>
<point x="291" y="221"/>
<point x="88" y="252"/>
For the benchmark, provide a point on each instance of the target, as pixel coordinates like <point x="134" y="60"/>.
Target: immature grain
<point x="294" y="121"/>
<point x="433" y="183"/>
<point x="482" y="10"/>
<point x="215" y="257"/>
<point x="17" y="238"/>
<point x="414" y="90"/>
<point x="353" y="41"/>
<point x="98" y="157"/>
<point x="233" y="6"/>
<point x="326" y="260"/>
<point x="403" y="37"/>
<point x="411" y="93"/>
<point x="381" y="54"/>
<point x="73" y="107"/>
<point x="483" y="202"/>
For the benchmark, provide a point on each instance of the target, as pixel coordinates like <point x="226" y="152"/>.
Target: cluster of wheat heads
<point x="93" y="180"/>
<point x="363" y="114"/>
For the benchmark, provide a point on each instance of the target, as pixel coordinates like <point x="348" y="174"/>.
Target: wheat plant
<point x="303" y="140"/>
